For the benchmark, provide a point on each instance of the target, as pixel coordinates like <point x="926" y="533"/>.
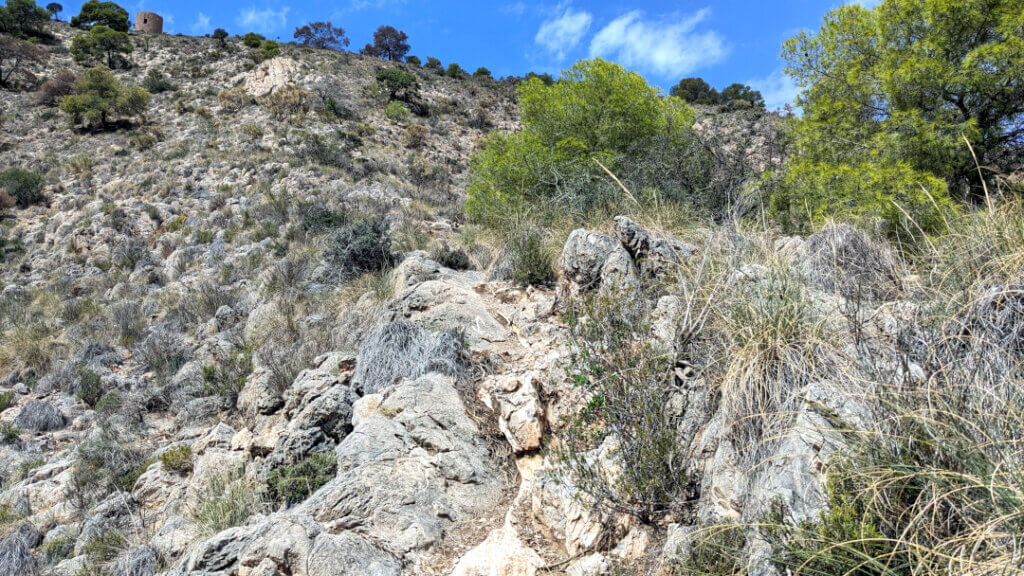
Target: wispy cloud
<point x="515" y="9"/>
<point x="201" y="25"/>
<point x="778" y="89"/>
<point x="363" y="4"/>
<point x="667" y="47"/>
<point x="266" y="19"/>
<point x="564" y="32"/>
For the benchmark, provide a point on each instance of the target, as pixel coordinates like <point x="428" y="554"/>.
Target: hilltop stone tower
<point x="149" y="22"/>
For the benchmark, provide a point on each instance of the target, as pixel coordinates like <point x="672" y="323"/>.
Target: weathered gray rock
<point x="16" y="551"/>
<point x="584" y="257"/>
<point x="653" y="254"/>
<point x="410" y="468"/>
<point x="141" y="561"/>
<point x="39" y="416"/>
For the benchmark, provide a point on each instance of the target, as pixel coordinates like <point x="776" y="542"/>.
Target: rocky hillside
<point x="254" y="336"/>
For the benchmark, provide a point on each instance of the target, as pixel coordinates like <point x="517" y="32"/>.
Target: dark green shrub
<point x="482" y="72"/>
<point x="6" y="400"/>
<point x="317" y="218"/>
<point x="221" y="36"/>
<point x="456" y="259"/>
<point x="358" y="248"/>
<point x="90" y="387"/>
<point x="9" y="434"/>
<point x="397" y="112"/>
<point x="626" y="377"/>
<point x="104" y="547"/>
<point x="177" y="459"/>
<point x="252" y="40"/>
<point x="414" y="60"/>
<point x="268" y="49"/>
<point x="292" y="484"/>
<point x="455" y="71"/>
<point x="397" y="84"/>
<point x="434" y="65"/>
<point x="155" y="82"/>
<point x="26" y="188"/>
<point x="100" y="98"/>
<point x="530" y="262"/>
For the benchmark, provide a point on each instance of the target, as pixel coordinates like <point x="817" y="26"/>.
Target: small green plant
<point x="293" y="484"/>
<point x="177" y="459"/>
<point x="6" y="400"/>
<point x="90" y="387"/>
<point x="358" y="248"/>
<point x="267" y="50"/>
<point x="715" y="551"/>
<point x="204" y="236"/>
<point x="396" y="112"/>
<point x="252" y="40"/>
<point x="9" y="434"/>
<point x="530" y="262"/>
<point x="104" y="547"/>
<point x="227" y="501"/>
<point x="26" y="188"/>
<point x="57" y="549"/>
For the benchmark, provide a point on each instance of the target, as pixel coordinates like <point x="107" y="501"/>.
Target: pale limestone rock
<point x="503" y="553"/>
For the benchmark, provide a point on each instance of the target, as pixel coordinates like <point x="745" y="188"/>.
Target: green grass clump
<point x="177" y="459"/>
<point x="293" y="484"/>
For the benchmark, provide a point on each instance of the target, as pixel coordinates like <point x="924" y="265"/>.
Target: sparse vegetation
<point x="99" y="98"/>
<point x="291" y="484"/>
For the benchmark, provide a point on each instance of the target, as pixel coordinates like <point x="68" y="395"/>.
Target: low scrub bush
<point x="286" y="101"/>
<point x="624" y="381"/>
<point x="25" y="187"/>
<point x="155" y="82"/>
<point x="529" y="260"/>
<point x="357" y="248"/>
<point x="177" y="459"/>
<point x="292" y="484"/>
<point x="227" y="501"/>
<point x="51" y="92"/>
<point x="397" y="112"/>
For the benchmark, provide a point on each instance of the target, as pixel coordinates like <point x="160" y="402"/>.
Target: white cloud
<point x="778" y="89"/>
<point x="266" y="19"/>
<point x="666" y="48"/>
<point x="562" y="34"/>
<point x="201" y="25"/>
<point x="515" y="9"/>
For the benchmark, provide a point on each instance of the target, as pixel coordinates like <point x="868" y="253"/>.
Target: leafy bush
<point x="22" y="18"/>
<point x="397" y="112"/>
<point x="234" y="99"/>
<point x="884" y="120"/>
<point x="456" y="258"/>
<point x="416" y="135"/>
<point x="397" y="83"/>
<point x="455" y="71"/>
<point x="56" y="88"/>
<point x="101" y="42"/>
<point x="434" y="65"/>
<point x="6" y="400"/>
<point x="26" y="188"/>
<point x="358" y="248"/>
<point x="530" y="262"/>
<point x="293" y="484"/>
<point x="90" y="387"/>
<point x="163" y="352"/>
<point x="99" y="98"/>
<point x="221" y="36"/>
<point x="623" y="378"/>
<point x="268" y="49"/>
<point x="252" y="40"/>
<point x="177" y="459"/>
<point x="414" y="60"/>
<point x="482" y="72"/>
<point x="226" y="502"/>
<point x="155" y="82"/>
<point x="598" y="111"/>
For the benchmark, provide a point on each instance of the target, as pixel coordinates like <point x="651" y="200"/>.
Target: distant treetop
<point x="388" y="44"/>
<point x="108" y="14"/>
<point x="322" y="35"/>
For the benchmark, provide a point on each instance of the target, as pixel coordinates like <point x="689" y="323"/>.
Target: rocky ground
<point x="178" y="340"/>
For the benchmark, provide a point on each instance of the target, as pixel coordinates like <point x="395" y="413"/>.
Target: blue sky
<point x="722" y="41"/>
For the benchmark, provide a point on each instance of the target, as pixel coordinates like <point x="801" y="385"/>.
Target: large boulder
<point x="39" y="416"/>
<point x="415" y="464"/>
<point x="584" y="256"/>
